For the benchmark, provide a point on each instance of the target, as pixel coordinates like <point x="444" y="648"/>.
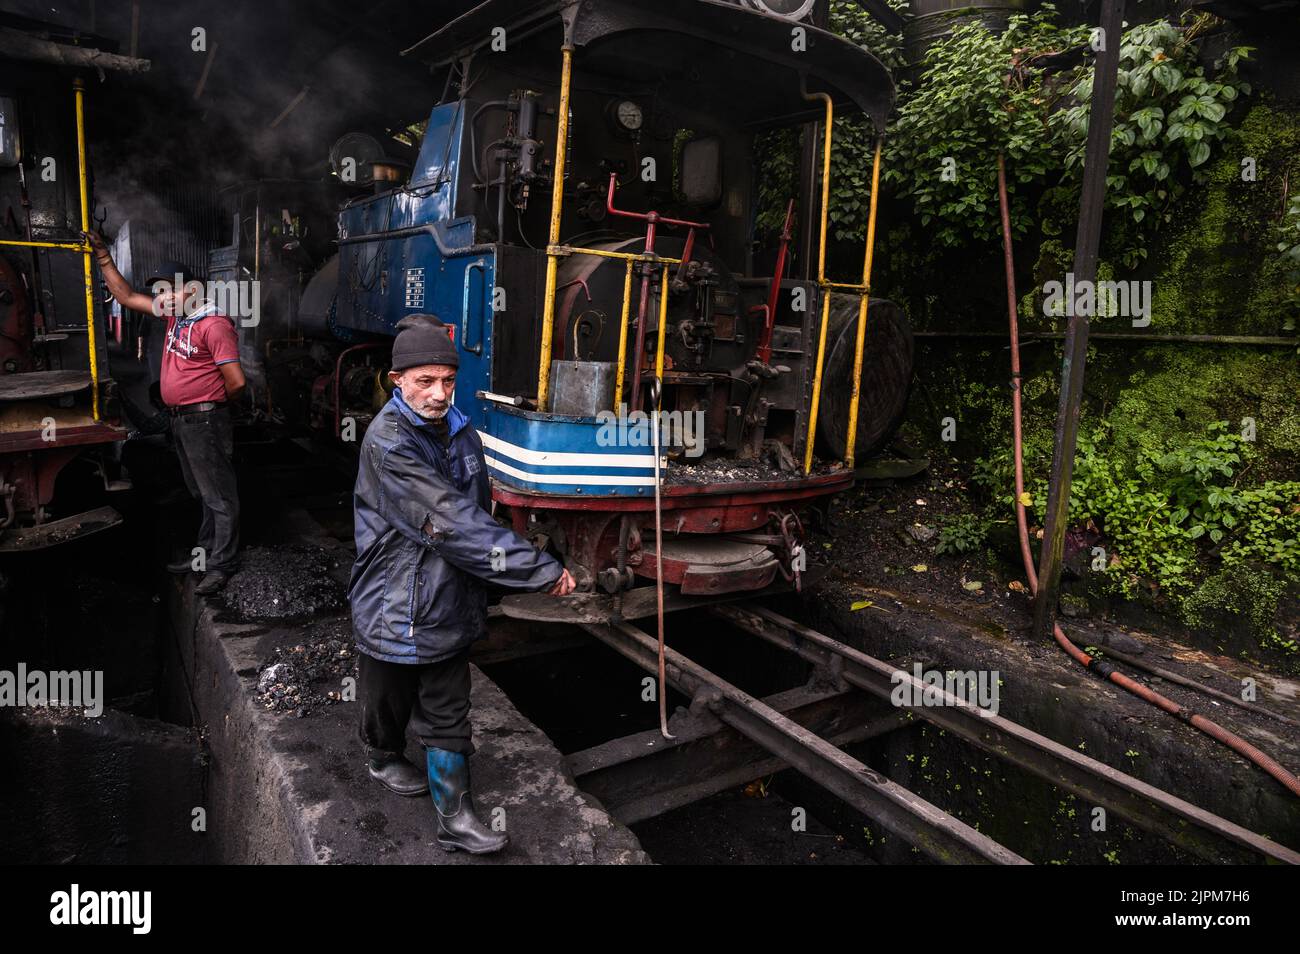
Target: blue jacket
<point x="426" y="542"/>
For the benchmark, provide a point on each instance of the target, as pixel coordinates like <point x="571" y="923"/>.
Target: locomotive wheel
<point x="886" y="377"/>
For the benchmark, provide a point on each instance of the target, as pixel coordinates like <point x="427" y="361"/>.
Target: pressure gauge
<point x="628" y="115"/>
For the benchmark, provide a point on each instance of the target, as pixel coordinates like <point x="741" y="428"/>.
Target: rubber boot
<point x="213" y="582"/>
<point x="398" y="775"/>
<point x="458" y="827"/>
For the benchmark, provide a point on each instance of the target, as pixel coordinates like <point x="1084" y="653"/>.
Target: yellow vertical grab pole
<point x="821" y="281"/>
<point x="863" y="299"/>
<point x="79" y="89"/>
<point x="557" y="205"/>
<point x="622" y="339"/>
<point x="663" y="328"/>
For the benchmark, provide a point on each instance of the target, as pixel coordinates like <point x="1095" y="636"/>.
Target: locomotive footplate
<point x="638" y="603"/>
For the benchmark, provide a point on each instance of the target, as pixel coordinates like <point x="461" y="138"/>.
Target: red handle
<point x="654" y="217"/>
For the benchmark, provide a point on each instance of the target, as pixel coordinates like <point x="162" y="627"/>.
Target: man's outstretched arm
<point x="430" y="510"/>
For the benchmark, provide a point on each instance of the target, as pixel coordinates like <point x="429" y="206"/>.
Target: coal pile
<point x="308" y="675"/>
<point x="284" y="583"/>
<point x="725" y="470"/>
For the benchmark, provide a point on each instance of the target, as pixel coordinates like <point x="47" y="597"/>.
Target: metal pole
<point x="79" y="89"/>
<point x="811" y="436"/>
<point x="553" y="236"/>
<point x="622" y="338"/>
<point x="74" y="246"/>
<point x="663" y="330"/>
<point x="1088" y="238"/>
<point x="863" y="296"/>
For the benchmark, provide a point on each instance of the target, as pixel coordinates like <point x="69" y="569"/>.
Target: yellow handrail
<point x="74" y="246"/>
<point x="863" y="290"/>
<point x="663" y="329"/>
<point x="622" y="337"/>
<point x="863" y="298"/>
<point x="821" y="279"/>
<point x="79" y="89"/>
<point x="604" y="253"/>
<point x="557" y="205"/>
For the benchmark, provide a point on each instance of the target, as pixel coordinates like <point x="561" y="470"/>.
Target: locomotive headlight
<point x="629" y="116"/>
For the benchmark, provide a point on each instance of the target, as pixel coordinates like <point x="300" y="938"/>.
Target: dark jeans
<point x="432" y="697"/>
<point x="205" y="443"/>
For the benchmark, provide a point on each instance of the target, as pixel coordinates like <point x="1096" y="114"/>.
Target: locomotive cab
<point x="582" y="209"/>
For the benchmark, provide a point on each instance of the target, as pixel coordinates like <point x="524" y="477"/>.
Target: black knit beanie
<point x="421" y="340"/>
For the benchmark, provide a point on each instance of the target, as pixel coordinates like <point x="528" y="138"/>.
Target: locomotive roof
<point x="709" y="33"/>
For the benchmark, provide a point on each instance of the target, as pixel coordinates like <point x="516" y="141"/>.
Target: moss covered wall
<point x="1216" y="268"/>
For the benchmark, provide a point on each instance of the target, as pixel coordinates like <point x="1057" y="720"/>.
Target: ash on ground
<point x="282" y="583"/>
<point x="309" y="674"/>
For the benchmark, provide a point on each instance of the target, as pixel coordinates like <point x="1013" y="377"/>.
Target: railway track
<point x="808" y="729"/>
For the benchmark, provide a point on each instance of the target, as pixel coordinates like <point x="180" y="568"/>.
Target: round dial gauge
<point x="629" y="115"/>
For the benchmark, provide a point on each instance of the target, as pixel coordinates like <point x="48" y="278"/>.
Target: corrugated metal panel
<point x="196" y="224"/>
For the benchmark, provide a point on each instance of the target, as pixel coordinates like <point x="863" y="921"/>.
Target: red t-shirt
<point x="193" y="351"/>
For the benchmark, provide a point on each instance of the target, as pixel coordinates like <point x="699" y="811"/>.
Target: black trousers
<point x="205" y="443"/>
<point x="432" y="697"/>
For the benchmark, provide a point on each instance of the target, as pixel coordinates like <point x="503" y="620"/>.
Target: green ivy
<point x="778" y="178"/>
<point x="853" y="23"/>
<point x="982" y="94"/>
<point x="1166" y="514"/>
<point x="1168" y="115"/>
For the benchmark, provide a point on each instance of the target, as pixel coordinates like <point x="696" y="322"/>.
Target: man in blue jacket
<point x="427" y="546"/>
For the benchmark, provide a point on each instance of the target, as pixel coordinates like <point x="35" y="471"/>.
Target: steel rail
<point x="933" y="831"/>
<point x="1188" y="826"/>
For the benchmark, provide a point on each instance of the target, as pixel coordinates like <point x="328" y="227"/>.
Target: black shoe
<point x="399" y="776"/>
<point x="181" y="567"/>
<point x="212" y="582"/>
<point x="459" y="829"/>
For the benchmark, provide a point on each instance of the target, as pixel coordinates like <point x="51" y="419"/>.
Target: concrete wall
<point x="111" y="790"/>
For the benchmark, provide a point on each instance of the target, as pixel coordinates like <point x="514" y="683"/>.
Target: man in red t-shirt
<point x="201" y="376"/>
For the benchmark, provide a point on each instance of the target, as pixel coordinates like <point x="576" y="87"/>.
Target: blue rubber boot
<point x="459" y="829"/>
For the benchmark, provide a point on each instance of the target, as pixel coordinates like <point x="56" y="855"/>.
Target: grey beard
<point x="432" y="415"/>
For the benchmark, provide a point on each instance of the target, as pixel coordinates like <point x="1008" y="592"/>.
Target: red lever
<point x="654" y="218"/>
<point x="765" y="342"/>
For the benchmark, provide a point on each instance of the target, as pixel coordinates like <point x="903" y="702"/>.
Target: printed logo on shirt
<point x="471" y="464"/>
<point x="180" y="335"/>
